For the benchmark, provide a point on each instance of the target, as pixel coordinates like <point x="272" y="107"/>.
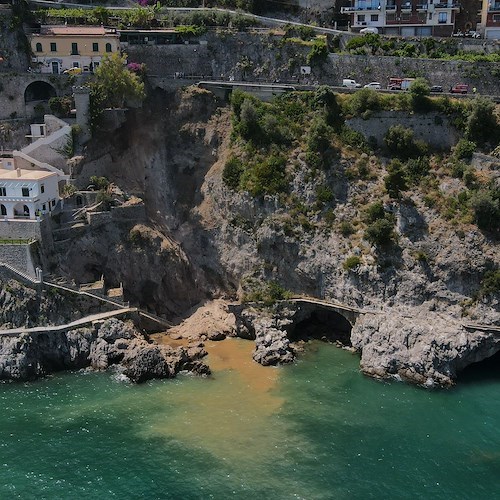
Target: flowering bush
<point x="138" y="68"/>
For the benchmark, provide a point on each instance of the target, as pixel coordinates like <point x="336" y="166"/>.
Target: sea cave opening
<point x="483" y="371"/>
<point x="323" y="324"/>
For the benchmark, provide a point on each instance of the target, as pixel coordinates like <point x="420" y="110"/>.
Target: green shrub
<point x="324" y="194"/>
<point x="486" y="210"/>
<point x="490" y="284"/>
<point x="419" y="92"/>
<point x="100" y="183"/>
<point x="319" y="136"/>
<point x="233" y="169"/>
<point x="364" y="100"/>
<point x="482" y="124"/>
<point x="401" y="143"/>
<point x="346" y="228"/>
<point x="395" y="180"/>
<point x="319" y="51"/>
<point x="417" y="168"/>
<point x="353" y="138"/>
<point x="380" y="232"/>
<point x="375" y="211"/>
<point x="267" y="176"/>
<point x="351" y="262"/>
<point x="268" y="293"/>
<point x="464" y="149"/>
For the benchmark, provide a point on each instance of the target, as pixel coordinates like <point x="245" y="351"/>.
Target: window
<point x="95" y="47"/>
<point x="26" y="191"/>
<point x="74" y="49"/>
<point x="374" y="17"/>
<point x="108" y="47"/>
<point x="3" y="210"/>
<point x="496" y="18"/>
<point x="43" y="207"/>
<point x="42" y="188"/>
<point x="430" y="16"/>
<point x="442" y="17"/>
<point x="390" y="17"/>
<point x="53" y="203"/>
<point x="3" y="191"/>
<point x="53" y="46"/>
<point x="39" y="47"/>
<point x="76" y="64"/>
<point x="405" y="16"/>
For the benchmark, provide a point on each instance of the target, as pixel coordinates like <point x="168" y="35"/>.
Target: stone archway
<point x="39" y="91"/>
<point x="322" y="323"/>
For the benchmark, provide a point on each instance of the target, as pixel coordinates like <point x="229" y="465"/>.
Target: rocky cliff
<point x="204" y="239"/>
<point x="32" y="355"/>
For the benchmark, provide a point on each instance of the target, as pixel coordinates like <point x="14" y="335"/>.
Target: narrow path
<point x="74" y="324"/>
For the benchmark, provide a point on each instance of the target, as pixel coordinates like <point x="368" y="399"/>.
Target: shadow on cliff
<point x="487" y="370"/>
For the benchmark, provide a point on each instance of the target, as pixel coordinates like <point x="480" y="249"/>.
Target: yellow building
<point x="59" y="48"/>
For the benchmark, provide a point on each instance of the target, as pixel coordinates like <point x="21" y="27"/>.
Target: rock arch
<point x="319" y="322"/>
<point x="39" y="91"/>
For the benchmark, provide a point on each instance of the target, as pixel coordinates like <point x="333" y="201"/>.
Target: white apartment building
<point x="404" y="17"/>
<point x="25" y="194"/>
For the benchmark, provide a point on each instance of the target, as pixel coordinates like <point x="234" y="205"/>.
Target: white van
<point x="350" y="84"/>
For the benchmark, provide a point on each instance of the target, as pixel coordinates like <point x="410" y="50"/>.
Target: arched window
<point x="39" y="47"/>
<point x="108" y="47"/>
<point x="26" y="211"/>
<point x="3" y="210"/>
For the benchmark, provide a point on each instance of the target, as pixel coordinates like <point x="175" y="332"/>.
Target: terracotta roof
<point x="26" y="175"/>
<point x="77" y="30"/>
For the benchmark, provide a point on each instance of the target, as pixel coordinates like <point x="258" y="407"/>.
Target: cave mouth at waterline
<point x="324" y="325"/>
<point x="487" y="370"/>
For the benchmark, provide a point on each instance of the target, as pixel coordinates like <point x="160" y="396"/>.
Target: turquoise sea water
<point x="314" y="430"/>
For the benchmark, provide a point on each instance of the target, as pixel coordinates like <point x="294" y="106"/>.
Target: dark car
<point x="436" y="88"/>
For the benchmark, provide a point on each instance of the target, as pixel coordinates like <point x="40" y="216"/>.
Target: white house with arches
<point x="27" y="194"/>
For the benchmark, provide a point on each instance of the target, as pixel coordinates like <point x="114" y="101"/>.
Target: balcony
<point x="361" y="8"/>
<point x="422" y="7"/>
<point x="390" y="7"/>
<point x="445" y="5"/>
<point x="493" y="6"/>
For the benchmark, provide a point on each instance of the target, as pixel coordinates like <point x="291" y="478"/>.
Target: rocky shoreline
<point x="110" y="343"/>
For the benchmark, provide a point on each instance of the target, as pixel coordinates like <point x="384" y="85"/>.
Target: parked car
<point x="436" y="88"/>
<point x="73" y="71"/>
<point x="459" y="88"/>
<point x="373" y="85"/>
<point x="373" y="30"/>
<point x="350" y="84"/>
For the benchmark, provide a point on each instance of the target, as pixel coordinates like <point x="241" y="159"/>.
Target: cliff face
<point x="172" y="154"/>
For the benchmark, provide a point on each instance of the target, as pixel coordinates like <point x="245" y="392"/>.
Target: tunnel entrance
<point x="487" y="370"/>
<point x="329" y="326"/>
<point x="39" y="91"/>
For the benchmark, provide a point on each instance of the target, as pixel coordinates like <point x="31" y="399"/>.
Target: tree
<point x="395" y="180"/>
<point x="486" y="210"/>
<point x="380" y="232"/>
<point x="482" y="125"/>
<point x="419" y="91"/>
<point x="401" y="143"/>
<point x="115" y="83"/>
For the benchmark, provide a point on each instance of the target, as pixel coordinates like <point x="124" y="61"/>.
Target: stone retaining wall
<point x="432" y="128"/>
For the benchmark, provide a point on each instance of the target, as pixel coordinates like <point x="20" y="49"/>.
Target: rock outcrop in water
<point x="32" y="355"/>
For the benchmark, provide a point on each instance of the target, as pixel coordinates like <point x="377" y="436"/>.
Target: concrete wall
<point x="434" y="129"/>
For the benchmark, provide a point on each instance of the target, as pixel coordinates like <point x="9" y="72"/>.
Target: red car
<point x="459" y="88"/>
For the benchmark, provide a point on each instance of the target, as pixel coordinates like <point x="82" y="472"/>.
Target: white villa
<point x="25" y="194"/>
